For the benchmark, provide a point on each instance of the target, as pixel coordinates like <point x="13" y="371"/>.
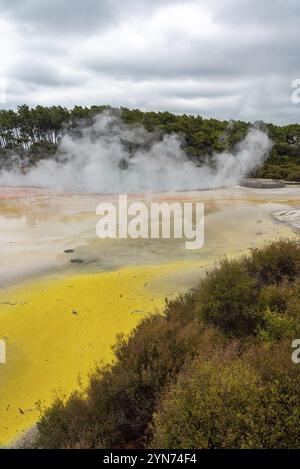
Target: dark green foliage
<point x="228" y="299"/>
<point x="21" y="129"/>
<point x="232" y="402"/>
<point x="213" y="371"/>
<point x="241" y="296"/>
<point x="277" y="262"/>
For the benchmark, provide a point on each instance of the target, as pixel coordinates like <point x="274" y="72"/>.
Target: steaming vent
<point x="110" y="156"/>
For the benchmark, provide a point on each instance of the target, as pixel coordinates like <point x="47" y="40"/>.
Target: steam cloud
<point x="110" y="156"/>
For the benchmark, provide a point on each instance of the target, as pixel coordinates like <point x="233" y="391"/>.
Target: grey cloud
<point x="60" y="15"/>
<point x="264" y="12"/>
<point x="45" y="73"/>
<point x="73" y="16"/>
<point x="201" y="59"/>
<point x="249" y="62"/>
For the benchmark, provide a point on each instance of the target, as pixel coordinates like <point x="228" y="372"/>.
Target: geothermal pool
<point x="60" y="312"/>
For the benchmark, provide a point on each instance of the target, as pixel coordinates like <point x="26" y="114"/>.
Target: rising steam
<point x="109" y="156"/>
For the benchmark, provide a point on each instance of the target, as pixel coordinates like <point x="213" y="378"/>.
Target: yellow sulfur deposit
<point x="57" y="330"/>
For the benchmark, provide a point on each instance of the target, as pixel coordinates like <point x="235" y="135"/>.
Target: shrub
<point x="275" y="297"/>
<point x="276" y="262"/>
<point x="237" y="403"/>
<point x="279" y="319"/>
<point x="276" y="326"/>
<point x="293" y="308"/>
<point x="212" y="405"/>
<point x="228" y="298"/>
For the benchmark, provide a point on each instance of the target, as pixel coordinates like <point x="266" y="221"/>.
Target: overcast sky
<point x="218" y="58"/>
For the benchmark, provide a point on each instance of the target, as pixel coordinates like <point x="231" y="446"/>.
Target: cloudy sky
<point x="218" y="58"/>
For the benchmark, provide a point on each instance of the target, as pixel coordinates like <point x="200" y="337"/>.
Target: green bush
<point x="275" y="297"/>
<point x="231" y="404"/>
<point x="276" y="326"/>
<point x="228" y="298"/>
<point x="212" y="405"/>
<point x="276" y="262"/>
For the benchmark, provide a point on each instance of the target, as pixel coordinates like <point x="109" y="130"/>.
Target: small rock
<point x="76" y="261"/>
<point x="68" y="251"/>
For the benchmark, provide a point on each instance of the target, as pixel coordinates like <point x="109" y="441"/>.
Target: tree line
<point x="35" y="133"/>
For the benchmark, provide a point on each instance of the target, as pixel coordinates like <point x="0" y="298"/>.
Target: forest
<point x="28" y="135"/>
